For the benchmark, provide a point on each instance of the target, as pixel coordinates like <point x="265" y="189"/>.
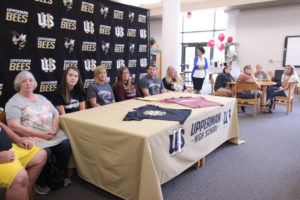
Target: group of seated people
<point x="289" y="79"/>
<point x="33" y="119"/>
<point x="33" y="122"/>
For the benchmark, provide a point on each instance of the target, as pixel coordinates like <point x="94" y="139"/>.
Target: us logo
<point x="18" y="40"/>
<point x="119" y="31"/>
<point x="176" y="141"/>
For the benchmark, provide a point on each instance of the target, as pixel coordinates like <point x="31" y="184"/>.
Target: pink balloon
<point x="229" y="39"/>
<point x="221" y="37"/>
<point x="211" y="43"/>
<point x="221" y="47"/>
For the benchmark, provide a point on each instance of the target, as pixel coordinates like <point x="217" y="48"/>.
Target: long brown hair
<point x="64" y="85"/>
<point x="119" y="77"/>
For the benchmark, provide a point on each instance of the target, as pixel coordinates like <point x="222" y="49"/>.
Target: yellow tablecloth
<point x="131" y="159"/>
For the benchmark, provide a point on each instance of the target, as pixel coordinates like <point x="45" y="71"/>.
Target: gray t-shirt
<point x="20" y="107"/>
<point x="154" y="85"/>
<point x="265" y="75"/>
<point x="102" y="92"/>
<point x="37" y="115"/>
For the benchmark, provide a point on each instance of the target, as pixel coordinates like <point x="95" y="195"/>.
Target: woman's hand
<point x="24" y="143"/>
<point x="201" y="67"/>
<point x="7" y="156"/>
<point x="47" y="135"/>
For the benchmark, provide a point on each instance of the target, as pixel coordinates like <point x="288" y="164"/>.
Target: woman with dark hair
<point x="199" y="70"/>
<point x="289" y="79"/>
<point x="222" y="80"/>
<point x="70" y="96"/>
<point x="125" y="89"/>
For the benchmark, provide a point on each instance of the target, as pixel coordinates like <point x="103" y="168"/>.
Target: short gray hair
<point x="21" y="77"/>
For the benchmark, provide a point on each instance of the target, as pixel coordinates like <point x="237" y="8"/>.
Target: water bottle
<point x="260" y="78"/>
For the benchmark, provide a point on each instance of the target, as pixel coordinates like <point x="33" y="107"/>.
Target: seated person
<point x="260" y="74"/>
<point x="100" y="93"/>
<point x="70" y="95"/>
<point x="221" y="84"/>
<point x="125" y="89"/>
<point x="173" y="81"/>
<point x="289" y="79"/>
<point x="247" y="77"/>
<point x="20" y="164"/>
<point x="150" y="84"/>
<point x="34" y="117"/>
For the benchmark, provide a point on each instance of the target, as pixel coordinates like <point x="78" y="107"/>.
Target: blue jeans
<point x="248" y="95"/>
<point x="62" y="154"/>
<point x="272" y="93"/>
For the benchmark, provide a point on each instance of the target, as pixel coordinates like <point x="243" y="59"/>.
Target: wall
<point x="261" y="34"/>
<point x="156" y="31"/>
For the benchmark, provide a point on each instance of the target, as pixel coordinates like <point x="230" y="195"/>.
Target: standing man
<point x="150" y="84"/>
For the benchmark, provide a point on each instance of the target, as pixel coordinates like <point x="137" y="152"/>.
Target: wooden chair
<point x="213" y="93"/>
<point x="3" y="120"/>
<point x="285" y="101"/>
<point x="247" y="102"/>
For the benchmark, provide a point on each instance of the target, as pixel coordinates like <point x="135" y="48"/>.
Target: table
<point x="264" y="85"/>
<point x="131" y="159"/>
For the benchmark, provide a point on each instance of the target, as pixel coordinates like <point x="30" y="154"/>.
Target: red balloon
<point x="229" y="39"/>
<point x="221" y="37"/>
<point x="211" y="43"/>
<point x="221" y="47"/>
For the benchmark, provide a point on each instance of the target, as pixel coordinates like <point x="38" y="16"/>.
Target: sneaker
<point x="243" y="108"/>
<point x="67" y="182"/>
<point x="42" y="189"/>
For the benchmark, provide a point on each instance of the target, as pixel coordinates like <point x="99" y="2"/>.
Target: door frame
<point x="196" y="45"/>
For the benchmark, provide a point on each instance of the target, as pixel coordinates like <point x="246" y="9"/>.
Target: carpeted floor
<point x="266" y="167"/>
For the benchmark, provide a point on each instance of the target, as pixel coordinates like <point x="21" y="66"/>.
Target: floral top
<point x="35" y="114"/>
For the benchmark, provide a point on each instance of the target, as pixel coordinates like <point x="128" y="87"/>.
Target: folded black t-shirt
<point x="156" y="112"/>
<point x="5" y="142"/>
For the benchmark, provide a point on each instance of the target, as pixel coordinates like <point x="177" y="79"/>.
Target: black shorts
<point x="197" y="82"/>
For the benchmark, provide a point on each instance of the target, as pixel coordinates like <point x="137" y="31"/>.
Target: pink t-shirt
<point x="192" y="102"/>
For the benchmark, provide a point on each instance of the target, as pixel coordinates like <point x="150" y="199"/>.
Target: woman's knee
<point x="21" y="180"/>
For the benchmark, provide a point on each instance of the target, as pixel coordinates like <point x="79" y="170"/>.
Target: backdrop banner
<point x="46" y="37"/>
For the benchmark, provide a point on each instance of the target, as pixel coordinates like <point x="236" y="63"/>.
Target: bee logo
<point x="18" y="40"/>
<point x="104" y="11"/>
<point x="68" y="4"/>
<point x="105" y="47"/>
<point x="69" y="44"/>
<point x="131" y="16"/>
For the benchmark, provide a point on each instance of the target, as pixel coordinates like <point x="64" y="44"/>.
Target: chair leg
<point x="292" y="102"/>
<point x="33" y="192"/>
<point x="288" y="108"/>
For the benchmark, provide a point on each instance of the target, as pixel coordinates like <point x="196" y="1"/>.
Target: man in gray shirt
<point x="150" y="84"/>
<point x="261" y="75"/>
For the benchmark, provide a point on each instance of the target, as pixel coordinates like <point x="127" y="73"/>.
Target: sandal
<point x="267" y="111"/>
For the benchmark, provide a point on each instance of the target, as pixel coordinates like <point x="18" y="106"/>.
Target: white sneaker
<point x="42" y="189"/>
<point x="67" y="182"/>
